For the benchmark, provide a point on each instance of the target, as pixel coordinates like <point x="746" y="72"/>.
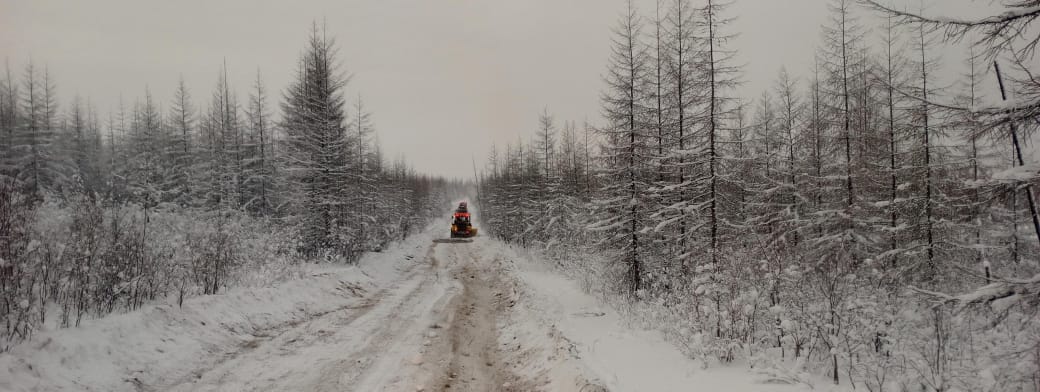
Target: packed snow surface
<point x="429" y="314"/>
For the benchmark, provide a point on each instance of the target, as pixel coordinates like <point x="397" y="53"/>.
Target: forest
<point x="866" y="222"/>
<point x="107" y="212"/>
<point x="862" y="220"/>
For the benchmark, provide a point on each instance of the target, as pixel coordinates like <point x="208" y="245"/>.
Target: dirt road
<point x="437" y="328"/>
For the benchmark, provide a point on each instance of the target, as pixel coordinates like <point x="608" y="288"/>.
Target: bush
<point x="91" y="259"/>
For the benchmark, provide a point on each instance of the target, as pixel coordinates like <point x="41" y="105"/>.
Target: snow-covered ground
<point x="428" y="314"/>
<point x="611" y="352"/>
<point x="163" y="345"/>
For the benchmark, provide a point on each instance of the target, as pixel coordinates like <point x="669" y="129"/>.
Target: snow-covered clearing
<point x="427" y="314"/>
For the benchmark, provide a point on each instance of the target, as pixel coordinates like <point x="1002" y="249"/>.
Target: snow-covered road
<point x="345" y="349"/>
<point x="438" y="326"/>
<point x="429" y="315"/>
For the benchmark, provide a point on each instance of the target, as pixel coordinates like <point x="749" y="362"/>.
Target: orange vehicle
<point x="461" y="224"/>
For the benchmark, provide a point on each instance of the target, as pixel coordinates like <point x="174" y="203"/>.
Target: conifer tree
<point x="621" y="208"/>
<point x="181" y="149"/>
<point x="317" y="150"/>
<point x="258" y="164"/>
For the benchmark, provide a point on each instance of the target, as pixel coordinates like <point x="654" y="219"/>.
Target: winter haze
<point x="445" y="79"/>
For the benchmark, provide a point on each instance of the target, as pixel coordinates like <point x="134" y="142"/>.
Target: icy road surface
<point x="426" y="316"/>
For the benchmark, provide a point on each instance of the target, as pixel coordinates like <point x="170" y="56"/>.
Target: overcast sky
<point x="443" y="78"/>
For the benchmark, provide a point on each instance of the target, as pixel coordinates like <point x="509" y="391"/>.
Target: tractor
<point x="461" y="224"/>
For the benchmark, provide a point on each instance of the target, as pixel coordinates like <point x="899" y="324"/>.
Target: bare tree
<point x="621" y="213"/>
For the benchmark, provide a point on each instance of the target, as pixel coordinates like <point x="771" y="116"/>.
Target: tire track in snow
<point x="383" y="347"/>
<point x="443" y="326"/>
<point x="288" y="359"/>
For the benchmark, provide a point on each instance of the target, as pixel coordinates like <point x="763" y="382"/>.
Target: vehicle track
<point x="475" y="360"/>
<point x="434" y="329"/>
<point x="319" y="353"/>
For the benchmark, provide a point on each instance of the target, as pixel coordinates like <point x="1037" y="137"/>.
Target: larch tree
<point x="657" y="93"/>
<point x="671" y="221"/>
<point x="976" y="196"/>
<point x="33" y="139"/>
<point x="182" y="121"/>
<point x="259" y="171"/>
<point x="363" y="130"/>
<point x="620" y="209"/>
<point x="842" y="38"/>
<point x="924" y="167"/>
<point x="892" y="76"/>
<point x="318" y="149"/>
<point x="83" y="144"/>
<point x="9" y="110"/>
<point x="778" y="122"/>
<point x="837" y="245"/>
<point x="545" y="142"/>
<point x="718" y="78"/>
<point x="223" y="128"/>
<point x="148" y="166"/>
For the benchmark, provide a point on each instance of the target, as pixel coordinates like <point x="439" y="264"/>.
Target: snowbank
<point x="162" y="344"/>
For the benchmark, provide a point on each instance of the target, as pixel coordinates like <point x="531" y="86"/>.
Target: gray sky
<point x="439" y="76"/>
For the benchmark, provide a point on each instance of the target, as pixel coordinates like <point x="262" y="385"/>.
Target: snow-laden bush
<point x="796" y="323"/>
<point x="67" y="259"/>
<point x="85" y="259"/>
<point x="16" y="244"/>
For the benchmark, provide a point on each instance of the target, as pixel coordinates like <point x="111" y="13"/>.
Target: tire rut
<point x="347" y="372"/>
<point x="475" y="362"/>
<point x="295" y="333"/>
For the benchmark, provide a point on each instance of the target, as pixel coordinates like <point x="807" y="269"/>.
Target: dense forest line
<point x="866" y="220"/>
<point x="107" y="212"/>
